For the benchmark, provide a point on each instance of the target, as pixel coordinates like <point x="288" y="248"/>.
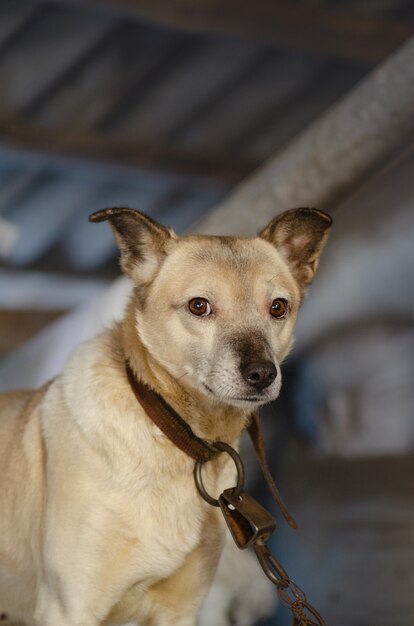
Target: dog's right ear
<point x="143" y="242"/>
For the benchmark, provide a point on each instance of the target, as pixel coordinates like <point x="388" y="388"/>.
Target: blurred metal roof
<point x="101" y="105"/>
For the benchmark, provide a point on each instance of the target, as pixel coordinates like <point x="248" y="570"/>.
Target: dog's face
<point x="217" y="312"/>
<point x="208" y="317"/>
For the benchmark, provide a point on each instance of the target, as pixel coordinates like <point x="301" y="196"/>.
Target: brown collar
<point x="169" y="422"/>
<point x="182" y="436"/>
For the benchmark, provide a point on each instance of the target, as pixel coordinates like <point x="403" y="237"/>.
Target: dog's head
<point x="218" y="312"/>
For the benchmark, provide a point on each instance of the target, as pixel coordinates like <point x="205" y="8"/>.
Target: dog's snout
<point x="259" y="374"/>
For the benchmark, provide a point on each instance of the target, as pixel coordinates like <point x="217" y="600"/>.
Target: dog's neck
<point x="208" y="418"/>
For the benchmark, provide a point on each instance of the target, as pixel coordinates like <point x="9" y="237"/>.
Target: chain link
<point x="290" y="595"/>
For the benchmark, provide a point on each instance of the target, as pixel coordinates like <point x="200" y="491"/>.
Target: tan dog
<point x="100" y="521"/>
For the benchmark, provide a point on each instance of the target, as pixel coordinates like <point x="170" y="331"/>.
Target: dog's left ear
<point x="142" y="241"/>
<point x="299" y="235"/>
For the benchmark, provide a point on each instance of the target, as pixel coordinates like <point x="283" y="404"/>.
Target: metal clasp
<point x="247" y="520"/>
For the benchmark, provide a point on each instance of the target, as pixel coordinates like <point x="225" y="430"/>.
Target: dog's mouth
<point x="230" y="399"/>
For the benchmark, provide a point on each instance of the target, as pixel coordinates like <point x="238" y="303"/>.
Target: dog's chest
<point x="163" y="522"/>
<point x="166" y="526"/>
<point x="173" y="517"/>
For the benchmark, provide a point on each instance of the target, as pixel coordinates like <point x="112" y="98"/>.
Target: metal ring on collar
<point x="222" y="447"/>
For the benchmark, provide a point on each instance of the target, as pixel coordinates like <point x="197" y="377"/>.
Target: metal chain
<point x="251" y="525"/>
<point x="290" y="594"/>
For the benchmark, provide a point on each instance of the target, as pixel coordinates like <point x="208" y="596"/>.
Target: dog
<point x="100" y="520"/>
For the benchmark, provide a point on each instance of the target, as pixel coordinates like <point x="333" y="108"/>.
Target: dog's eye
<point x="200" y="307"/>
<point x="279" y="308"/>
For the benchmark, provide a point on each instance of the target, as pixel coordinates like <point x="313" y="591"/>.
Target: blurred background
<point x="213" y="116"/>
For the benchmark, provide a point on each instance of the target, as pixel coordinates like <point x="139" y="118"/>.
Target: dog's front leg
<point x="176" y="601"/>
<point x="240" y="593"/>
<point x="52" y="610"/>
<point x="53" y="616"/>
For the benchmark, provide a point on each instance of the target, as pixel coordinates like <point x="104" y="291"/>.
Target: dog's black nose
<point x="259" y="374"/>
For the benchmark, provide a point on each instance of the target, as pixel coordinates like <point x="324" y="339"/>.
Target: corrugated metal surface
<point x="99" y="108"/>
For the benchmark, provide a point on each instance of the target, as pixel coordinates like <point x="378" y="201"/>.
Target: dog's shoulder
<point x="95" y="371"/>
<point x="20" y="404"/>
<point x="93" y="394"/>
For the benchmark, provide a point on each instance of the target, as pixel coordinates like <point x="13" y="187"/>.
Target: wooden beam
<point x="321" y="29"/>
<point x="108" y="148"/>
<point x="332" y="156"/>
